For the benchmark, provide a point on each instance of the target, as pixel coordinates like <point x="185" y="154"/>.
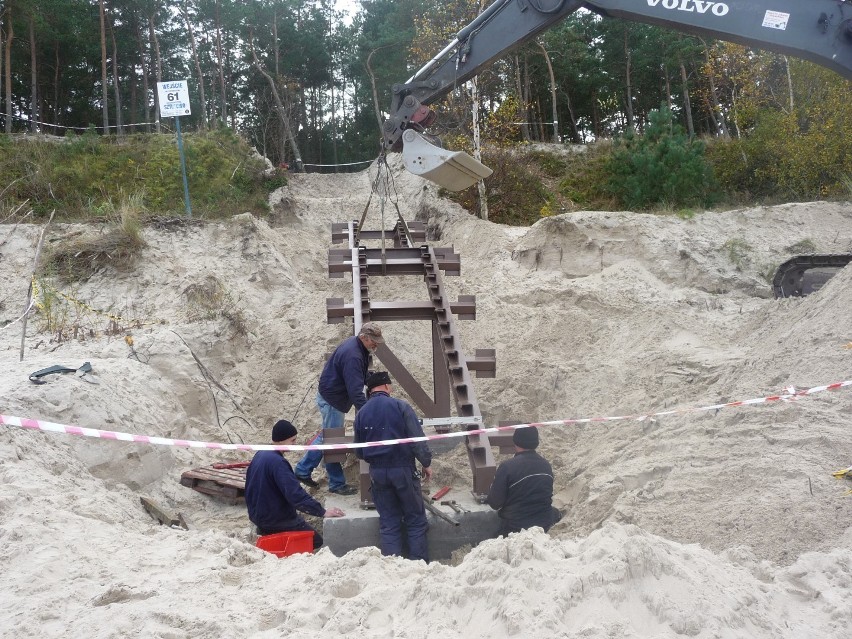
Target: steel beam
<point x="337" y="311"/>
<point x="340" y="233"/>
<point x="392" y="261"/>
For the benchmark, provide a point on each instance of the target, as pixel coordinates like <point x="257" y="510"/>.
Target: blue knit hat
<point x="526" y="438"/>
<point x="283" y="430"/>
<point x="379" y="378"/>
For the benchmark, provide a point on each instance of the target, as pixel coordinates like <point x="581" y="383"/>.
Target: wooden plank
<point x="228" y="477"/>
<point x="225" y="483"/>
<point x="162" y="515"/>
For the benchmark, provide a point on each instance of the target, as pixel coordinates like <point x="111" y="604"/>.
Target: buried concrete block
<point x="360" y="528"/>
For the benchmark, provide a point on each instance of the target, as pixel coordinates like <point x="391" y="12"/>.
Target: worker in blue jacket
<point x="341" y="386"/>
<point x="393" y="469"/>
<point x="274" y="495"/>
<point x="522" y="490"/>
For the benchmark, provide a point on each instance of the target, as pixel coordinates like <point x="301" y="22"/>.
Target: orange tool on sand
<point x="440" y="493"/>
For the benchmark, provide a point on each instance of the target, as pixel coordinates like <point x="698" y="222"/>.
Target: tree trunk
<point x="527" y="92"/>
<point x="146" y="109"/>
<point x="158" y="67"/>
<point x="376" y="106"/>
<point x="2" y="55"/>
<point x="687" y="104"/>
<point x="105" y="106"/>
<point x="214" y="84"/>
<point x="197" y="66"/>
<point x="667" y="87"/>
<point x="134" y="104"/>
<point x="56" y="89"/>
<point x="34" y="119"/>
<point x="572" y="120"/>
<point x="525" y="132"/>
<point x="715" y="107"/>
<point x="279" y="106"/>
<point x="596" y="117"/>
<point x="789" y="82"/>
<point x="230" y="47"/>
<point x="10" y="37"/>
<point x="554" y="111"/>
<point x="116" y="90"/>
<point x="477" y="147"/>
<point x="220" y="64"/>
<point x="302" y="111"/>
<point x="275" y="42"/>
<point x="316" y="118"/>
<point x="735" y="110"/>
<point x="628" y="79"/>
<point x="333" y="129"/>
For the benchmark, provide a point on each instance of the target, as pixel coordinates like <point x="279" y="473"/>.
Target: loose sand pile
<point x="704" y="524"/>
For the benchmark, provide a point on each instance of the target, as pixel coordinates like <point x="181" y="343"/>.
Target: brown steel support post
<point x="479" y="452"/>
<point x="406" y="380"/>
<point x="361" y="315"/>
<point x="440" y="377"/>
<point x="451" y="371"/>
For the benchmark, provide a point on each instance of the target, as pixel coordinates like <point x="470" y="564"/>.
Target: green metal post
<point x="183" y="168"/>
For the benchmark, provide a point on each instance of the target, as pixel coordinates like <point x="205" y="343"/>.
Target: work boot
<point x="344" y="490"/>
<point x="307" y="481"/>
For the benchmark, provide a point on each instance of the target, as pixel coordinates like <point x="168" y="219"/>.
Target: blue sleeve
<point x="499" y="491"/>
<point x="354" y="372"/>
<point x="421" y="450"/>
<point x="293" y="491"/>
<point x="357" y="437"/>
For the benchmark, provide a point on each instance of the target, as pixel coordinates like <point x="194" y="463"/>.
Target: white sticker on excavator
<point x="776" y="20"/>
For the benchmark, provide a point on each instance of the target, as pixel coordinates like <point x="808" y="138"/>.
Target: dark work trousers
<point x="296" y="527"/>
<point x="398" y="501"/>
<point x="546" y="520"/>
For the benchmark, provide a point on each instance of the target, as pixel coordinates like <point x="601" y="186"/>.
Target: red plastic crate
<point x="287" y="543"/>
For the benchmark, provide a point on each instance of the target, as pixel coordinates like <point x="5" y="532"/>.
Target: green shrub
<point x="660" y="167"/>
<point x="516" y="194"/>
<point x="585" y="179"/>
<point x="797" y="154"/>
<point x="82" y="175"/>
<point x="551" y="164"/>
<point x="781" y="160"/>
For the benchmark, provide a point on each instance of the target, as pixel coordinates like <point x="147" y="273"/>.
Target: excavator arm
<point x="817" y="30"/>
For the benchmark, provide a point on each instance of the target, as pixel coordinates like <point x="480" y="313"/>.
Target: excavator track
<point x="806" y="274"/>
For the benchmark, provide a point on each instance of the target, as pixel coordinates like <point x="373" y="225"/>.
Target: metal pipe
<point x="356" y="279"/>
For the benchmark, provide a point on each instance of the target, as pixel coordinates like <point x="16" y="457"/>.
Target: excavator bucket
<point x="452" y="170"/>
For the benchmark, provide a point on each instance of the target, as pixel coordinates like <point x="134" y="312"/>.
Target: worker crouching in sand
<point x="273" y="493"/>
<point x="522" y="490"/>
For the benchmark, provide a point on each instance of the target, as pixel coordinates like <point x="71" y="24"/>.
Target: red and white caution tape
<point x="789" y="394"/>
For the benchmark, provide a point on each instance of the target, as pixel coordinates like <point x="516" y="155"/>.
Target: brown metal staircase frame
<point x="451" y="370"/>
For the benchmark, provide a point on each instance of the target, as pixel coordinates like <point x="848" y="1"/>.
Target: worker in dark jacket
<point x="522" y="490"/>
<point x="393" y="468"/>
<point x="341" y="386"/>
<point x="273" y="494"/>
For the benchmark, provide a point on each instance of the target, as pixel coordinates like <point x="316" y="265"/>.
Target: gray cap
<point x="373" y="331"/>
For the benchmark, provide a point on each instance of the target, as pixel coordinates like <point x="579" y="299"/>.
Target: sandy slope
<point x="707" y="524"/>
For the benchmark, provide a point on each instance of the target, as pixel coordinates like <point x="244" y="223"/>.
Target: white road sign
<point x="174" y="98"/>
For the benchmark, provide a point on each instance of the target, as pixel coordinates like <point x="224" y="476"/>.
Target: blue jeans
<point x="398" y="501"/>
<point x="331" y="418"/>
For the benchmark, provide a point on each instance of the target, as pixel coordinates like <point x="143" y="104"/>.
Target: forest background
<point x="694" y="121"/>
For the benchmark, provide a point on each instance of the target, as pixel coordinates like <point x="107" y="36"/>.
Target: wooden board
<point x="226" y="483"/>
